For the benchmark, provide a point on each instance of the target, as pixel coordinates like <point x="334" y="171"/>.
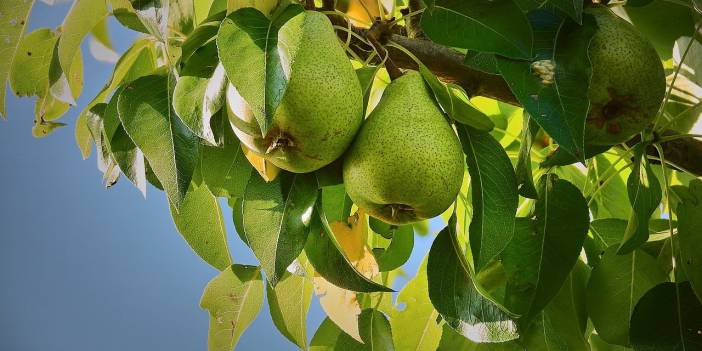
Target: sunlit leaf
<point x="289" y="302"/>
<point x="233" y="299"/>
<point x="690" y="235"/>
<point x="375" y="331"/>
<point x="196" y="100"/>
<point x="13" y="16"/>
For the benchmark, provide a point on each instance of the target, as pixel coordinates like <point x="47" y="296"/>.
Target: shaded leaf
<point x="196" y="100"/>
<point x="399" y="250"/>
<point x="455" y="296"/>
<point x="276" y="219"/>
<point x="170" y="147"/>
<point x="225" y="169"/>
<point x="497" y="27"/>
<point x="375" y="330"/>
<point x="233" y="299"/>
<point x="13" y="16"/>
<point x="525" y="179"/>
<point x="689" y="213"/>
<point x="199" y="220"/>
<point x="614" y="288"/>
<point x="645" y="195"/>
<point x="543" y="251"/>
<point x="452" y="341"/>
<point x="494" y="191"/>
<point x="330" y="338"/>
<point x="667" y="317"/>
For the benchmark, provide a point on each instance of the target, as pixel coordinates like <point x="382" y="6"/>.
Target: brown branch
<point x="448" y="65"/>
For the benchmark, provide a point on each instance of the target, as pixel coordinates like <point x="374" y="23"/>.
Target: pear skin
<point x="406" y="163"/>
<point x="321" y="110"/>
<point x="628" y="80"/>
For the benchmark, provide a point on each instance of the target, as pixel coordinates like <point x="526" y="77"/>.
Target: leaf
<point x="561" y="326"/>
<point x="494" y="191"/>
<point x="413" y="317"/>
<point x="662" y="23"/>
<point x="455" y="296"/>
<point x="542" y="253"/>
<point x="452" y="341"/>
<point x="614" y="288"/>
<point x="83" y="16"/>
<point x="225" y="169"/>
<point x="196" y="100"/>
<point x="399" y="250"/>
<point x="525" y="179"/>
<point x="136" y="62"/>
<point x="337" y="204"/>
<point x="465" y="113"/>
<point x="340" y="305"/>
<point x="667" y="317"/>
<point x="289" y="302"/>
<point x="199" y="220"/>
<point x="129" y="158"/>
<point x="330" y="338"/>
<point x="689" y="213"/>
<point x="250" y="51"/>
<point x="556" y="96"/>
<point x="268" y="171"/>
<point x="233" y="299"/>
<point x="144" y="108"/>
<point x="366" y="75"/>
<point x="13" y="15"/>
<point x="645" y="195"/>
<point x="30" y="68"/>
<point x="497" y="27"/>
<point x="574" y="8"/>
<point x="277" y="219"/>
<point x="324" y="250"/>
<point x="375" y="330"/>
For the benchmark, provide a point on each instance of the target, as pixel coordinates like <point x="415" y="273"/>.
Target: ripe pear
<point x="628" y="81"/>
<point x="322" y="107"/>
<point x="406" y="163"/>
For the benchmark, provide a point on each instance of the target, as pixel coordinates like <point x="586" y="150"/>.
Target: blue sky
<point x="88" y="268"/>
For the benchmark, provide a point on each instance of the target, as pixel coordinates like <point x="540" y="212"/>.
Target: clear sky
<point x="88" y="268"/>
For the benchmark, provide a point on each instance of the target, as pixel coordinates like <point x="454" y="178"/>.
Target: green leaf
<point x="366" y="75"/>
<point x="161" y="17"/>
<point x="455" y="296"/>
<point x="525" y="179"/>
<point x="13" y="16"/>
<point x="614" y="288"/>
<point x="327" y="258"/>
<point x="399" y="250"/>
<point x="196" y="100"/>
<point x="662" y="23"/>
<point x="497" y="27"/>
<point x="494" y="191"/>
<point x="645" y="195"/>
<point x="543" y="251"/>
<point x="288" y="303"/>
<point x="233" y="299"/>
<point x="667" y="318"/>
<point x="83" y="16"/>
<point x="30" y="69"/>
<point x="276" y="219"/>
<point x="225" y="169"/>
<point x="330" y="338"/>
<point x="337" y="204"/>
<point x="139" y="60"/>
<point x="129" y="158"/>
<point x="124" y="13"/>
<point x="574" y="8"/>
<point x="557" y="98"/>
<point x="413" y="317"/>
<point x="452" y="341"/>
<point x="689" y="213"/>
<point x="465" y="113"/>
<point x="250" y="48"/>
<point x="562" y="324"/>
<point x="199" y="220"/>
<point x="375" y="330"/>
<point x="561" y="157"/>
<point x="170" y="147"/>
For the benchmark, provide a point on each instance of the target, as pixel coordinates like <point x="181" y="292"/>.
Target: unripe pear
<point x="321" y="110"/>
<point x="628" y="81"/>
<point x="406" y="163"/>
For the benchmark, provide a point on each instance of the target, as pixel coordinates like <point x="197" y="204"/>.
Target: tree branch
<point x="447" y="64"/>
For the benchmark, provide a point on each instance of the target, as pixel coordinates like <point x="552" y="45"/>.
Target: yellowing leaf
<point x="363" y="12"/>
<point x="266" y="169"/>
<point x="341" y="305"/>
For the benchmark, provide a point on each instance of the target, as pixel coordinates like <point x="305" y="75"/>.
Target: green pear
<point x="322" y="108"/>
<point x="406" y="163"/>
<point x="628" y="81"/>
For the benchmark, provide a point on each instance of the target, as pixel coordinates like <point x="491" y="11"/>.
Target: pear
<point x="322" y="107"/>
<point x="628" y="81"/>
<point x="406" y="163"/>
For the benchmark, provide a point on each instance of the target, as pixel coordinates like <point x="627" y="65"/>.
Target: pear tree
<point x="558" y="142"/>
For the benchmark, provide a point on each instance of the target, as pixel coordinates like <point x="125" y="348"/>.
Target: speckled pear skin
<point x="628" y="80"/>
<point x="406" y="163"/>
<point x="322" y="108"/>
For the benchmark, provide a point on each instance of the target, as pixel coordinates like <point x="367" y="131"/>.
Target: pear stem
<point x="377" y="34"/>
